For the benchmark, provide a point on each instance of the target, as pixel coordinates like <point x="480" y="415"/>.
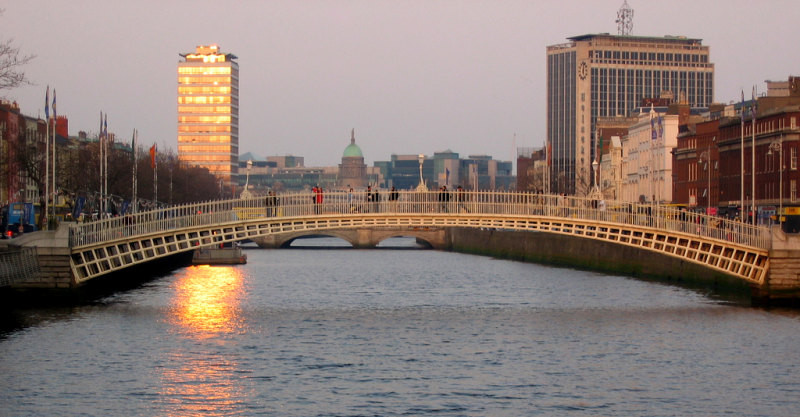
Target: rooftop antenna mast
<point x="625" y="19"/>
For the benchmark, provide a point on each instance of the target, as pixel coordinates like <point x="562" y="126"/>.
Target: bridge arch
<point x="360" y="237"/>
<point x="107" y="245"/>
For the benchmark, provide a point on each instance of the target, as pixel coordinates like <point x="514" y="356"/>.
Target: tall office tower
<point x="606" y="75"/>
<point x="208" y="111"/>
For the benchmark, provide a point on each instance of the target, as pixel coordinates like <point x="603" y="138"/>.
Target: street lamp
<point x="421" y="186"/>
<point x="596" y="188"/>
<point x="246" y="191"/>
<point x="778" y="146"/>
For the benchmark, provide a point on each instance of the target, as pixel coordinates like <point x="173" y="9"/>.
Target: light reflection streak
<point x="207" y="301"/>
<point x="200" y="386"/>
<point x="204" y="380"/>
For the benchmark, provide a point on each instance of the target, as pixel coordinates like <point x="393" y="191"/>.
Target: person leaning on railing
<point x="461" y="197"/>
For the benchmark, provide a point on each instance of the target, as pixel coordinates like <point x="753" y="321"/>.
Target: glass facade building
<point x="606" y="76"/>
<point x="208" y="111"/>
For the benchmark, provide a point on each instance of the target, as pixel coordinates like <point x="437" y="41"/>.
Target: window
<point x="793" y="158"/>
<point x="793" y="190"/>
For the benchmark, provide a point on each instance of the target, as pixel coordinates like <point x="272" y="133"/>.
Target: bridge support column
<point x="267" y="242"/>
<point x="365" y="239"/>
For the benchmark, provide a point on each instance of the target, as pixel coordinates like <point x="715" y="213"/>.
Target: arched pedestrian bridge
<point x="100" y="247"/>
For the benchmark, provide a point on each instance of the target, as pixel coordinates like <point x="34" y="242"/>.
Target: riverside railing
<point x="422" y="203"/>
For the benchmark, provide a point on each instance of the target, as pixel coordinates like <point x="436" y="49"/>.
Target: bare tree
<point x="11" y="63"/>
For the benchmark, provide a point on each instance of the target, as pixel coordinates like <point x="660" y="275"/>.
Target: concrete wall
<point x="594" y="255"/>
<point x="784" y="266"/>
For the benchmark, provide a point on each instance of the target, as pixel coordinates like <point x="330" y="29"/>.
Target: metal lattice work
<point x="108" y="245"/>
<point x="18" y="266"/>
<point x="625" y="19"/>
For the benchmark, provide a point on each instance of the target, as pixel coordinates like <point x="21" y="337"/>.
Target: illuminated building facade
<point x="596" y="76"/>
<point x="208" y="111"/>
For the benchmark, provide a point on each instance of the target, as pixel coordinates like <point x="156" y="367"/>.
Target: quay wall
<point x="784" y="267"/>
<point x="593" y="255"/>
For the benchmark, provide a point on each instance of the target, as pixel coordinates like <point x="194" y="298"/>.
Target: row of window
<point x="204" y="109"/>
<point x="205" y="149"/>
<point x="187" y="139"/>
<point x="207" y="100"/>
<point x="204" y="80"/>
<point x="207" y="129"/>
<point x="203" y="159"/>
<point x="205" y="119"/>
<point x="203" y="70"/>
<point x="217" y="89"/>
<point x="648" y="57"/>
<point x="616" y="92"/>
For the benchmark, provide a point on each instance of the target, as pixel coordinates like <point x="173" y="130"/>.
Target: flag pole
<point x="55" y="125"/>
<point x="133" y="186"/>
<point x="154" y="165"/>
<point x="46" y="158"/>
<point x="741" y="175"/>
<point x="105" y="160"/>
<point x="753" y="154"/>
<point x="100" y="145"/>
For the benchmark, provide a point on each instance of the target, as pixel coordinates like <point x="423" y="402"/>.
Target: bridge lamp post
<point x="246" y="191"/>
<point x="778" y="146"/>
<point x="421" y="186"/>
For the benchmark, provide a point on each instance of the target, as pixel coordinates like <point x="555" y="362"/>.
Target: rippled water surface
<point x="310" y="332"/>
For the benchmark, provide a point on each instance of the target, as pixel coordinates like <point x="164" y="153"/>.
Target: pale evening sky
<point x="410" y="76"/>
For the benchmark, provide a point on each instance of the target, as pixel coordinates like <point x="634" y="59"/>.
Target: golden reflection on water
<point x="203" y="380"/>
<point x="200" y="386"/>
<point x="207" y="301"/>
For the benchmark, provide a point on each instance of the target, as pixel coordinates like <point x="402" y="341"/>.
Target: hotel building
<point x="208" y="111"/>
<point x="602" y="75"/>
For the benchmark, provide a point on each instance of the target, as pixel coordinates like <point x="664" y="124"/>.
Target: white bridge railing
<point x="430" y="203"/>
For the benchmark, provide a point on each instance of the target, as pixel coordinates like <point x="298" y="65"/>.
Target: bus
<point x="17" y="218"/>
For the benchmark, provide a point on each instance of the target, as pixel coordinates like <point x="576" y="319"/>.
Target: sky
<point x="413" y="76"/>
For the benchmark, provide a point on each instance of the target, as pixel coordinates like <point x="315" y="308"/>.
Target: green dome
<point x="352" y="150"/>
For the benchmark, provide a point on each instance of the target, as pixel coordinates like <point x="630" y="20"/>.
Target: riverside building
<point x="208" y="111"/>
<point x="602" y="75"/>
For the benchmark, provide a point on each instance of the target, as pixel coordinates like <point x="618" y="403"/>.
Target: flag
<point x="133" y="146"/>
<point x="47" y="103"/>
<point x="55" y="115"/>
<point x="105" y="126"/>
<point x="78" y="209"/>
<point x="153" y="156"/>
<point x="660" y="127"/>
<point x="447" y="176"/>
<point x="549" y="151"/>
<point x="652" y="123"/>
<point x="753" y="109"/>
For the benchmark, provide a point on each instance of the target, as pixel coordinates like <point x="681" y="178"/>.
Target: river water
<point x="321" y="332"/>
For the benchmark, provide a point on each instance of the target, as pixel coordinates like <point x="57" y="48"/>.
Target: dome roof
<point x="352" y="150"/>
